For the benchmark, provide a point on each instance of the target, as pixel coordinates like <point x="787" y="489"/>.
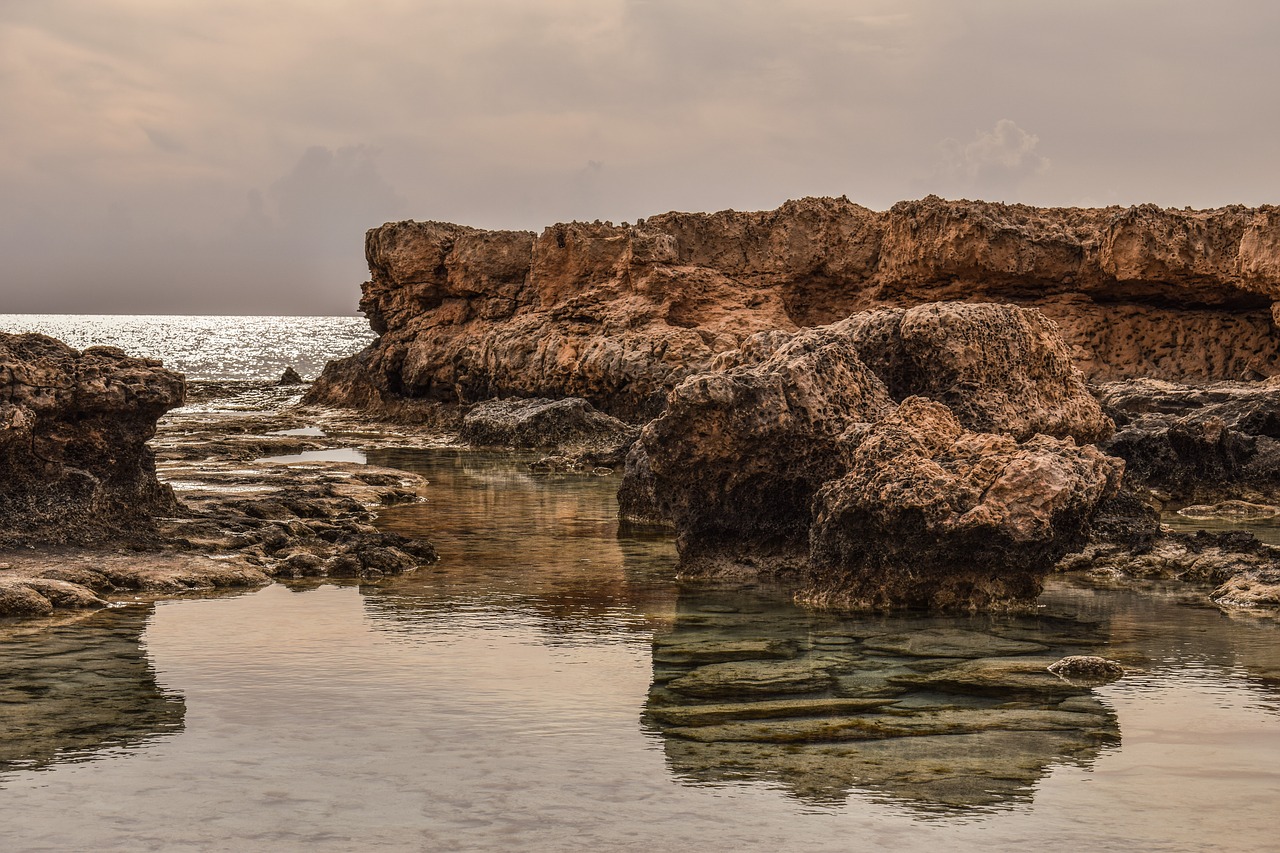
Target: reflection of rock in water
<point x="546" y="546"/>
<point x="80" y="688"/>
<point x="935" y="712"/>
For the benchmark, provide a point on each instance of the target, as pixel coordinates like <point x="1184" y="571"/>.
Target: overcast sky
<point x="226" y="156"/>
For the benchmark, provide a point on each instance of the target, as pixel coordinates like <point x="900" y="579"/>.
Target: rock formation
<point x="737" y="455"/>
<point x="618" y="315"/>
<point x="791" y="457"/>
<point x="74" y="464"/>
<point x="998" y="368"/>
<point x="931" y="516"/>
<point x="1198" y="444"/>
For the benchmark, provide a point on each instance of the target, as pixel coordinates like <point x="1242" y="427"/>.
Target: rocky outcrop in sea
<point x="775" y="353"/>
<point x="619" y="314"/>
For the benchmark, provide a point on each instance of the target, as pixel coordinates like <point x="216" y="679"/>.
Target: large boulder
<point x="737" y="456"/>
<point x="74" y="463"/>
<point x="932" y="515"/>
<point x="998" y="368"/>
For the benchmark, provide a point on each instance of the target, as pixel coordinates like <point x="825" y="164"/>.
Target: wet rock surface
<point x="1198" y="444"/>
<point x="238" y="520"/>
<point x="1087" y="668"/>
<point x="571" y="426"/>
<point x="74" y="463"/>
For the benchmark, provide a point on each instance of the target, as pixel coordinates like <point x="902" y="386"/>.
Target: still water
<point x="549" y="686"/>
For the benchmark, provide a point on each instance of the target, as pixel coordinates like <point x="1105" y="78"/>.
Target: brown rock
<point x="618" y="315"/>
<point x="998" y="368"/>
<point x="737" y="456"/>
<point x="74" y="465"/>
<point x="932" y="516"/>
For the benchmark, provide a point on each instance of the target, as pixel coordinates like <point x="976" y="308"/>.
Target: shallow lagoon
<point x="548" y="685"/>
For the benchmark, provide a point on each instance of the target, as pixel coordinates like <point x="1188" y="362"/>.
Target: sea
<point x="551" y="685"/>
<point x="209" y="348"/>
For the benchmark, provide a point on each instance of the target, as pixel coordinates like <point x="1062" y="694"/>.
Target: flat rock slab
<point x="997" y="676"/>
<point x="721" y="650"/>
<point x="774" y="709"/>
<point x="950" y="722"/>
<point x="950" y="643"/>
<point x="753" y="678"/>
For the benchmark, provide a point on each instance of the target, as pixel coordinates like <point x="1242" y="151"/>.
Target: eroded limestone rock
<point x="930" y="515"/>
<point x="74" y="464"/>
<point x="998" y="368"/>
<point x="620" y="314"/>
<point x="737" y="456"/>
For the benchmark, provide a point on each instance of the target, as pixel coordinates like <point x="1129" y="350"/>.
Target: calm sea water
<point x="209" y="347"/>
<point x="549" y="686"/>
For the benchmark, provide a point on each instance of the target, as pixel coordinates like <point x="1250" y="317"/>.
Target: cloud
<point x="135" y="133"/>
<point x="993" y="164"/>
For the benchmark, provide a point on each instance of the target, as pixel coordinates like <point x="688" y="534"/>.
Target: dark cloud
<point x="228" y="155"/>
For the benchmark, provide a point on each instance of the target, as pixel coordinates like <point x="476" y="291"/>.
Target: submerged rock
<point x="998" y="676"/>
<point x="926" y="731"/>
<point x="74" y="461"/>
<point x="950" y="643"/>
<point x="753" y="678"/>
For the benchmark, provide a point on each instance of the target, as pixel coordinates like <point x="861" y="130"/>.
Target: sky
<point x="227" y="156"/>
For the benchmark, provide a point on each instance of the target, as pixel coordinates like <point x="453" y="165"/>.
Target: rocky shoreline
<point x="797" y="394"/>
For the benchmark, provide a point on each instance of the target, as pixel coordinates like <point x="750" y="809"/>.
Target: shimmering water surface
<point x="208" y="347"/>
<point x="548" y="686"/>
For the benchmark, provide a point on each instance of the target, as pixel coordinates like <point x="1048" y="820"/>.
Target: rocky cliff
<point x="618" y="314"/>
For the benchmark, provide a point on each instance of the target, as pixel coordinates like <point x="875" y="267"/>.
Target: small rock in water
<point x="290" y="377"/>
<point x="1088" y="668"/>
